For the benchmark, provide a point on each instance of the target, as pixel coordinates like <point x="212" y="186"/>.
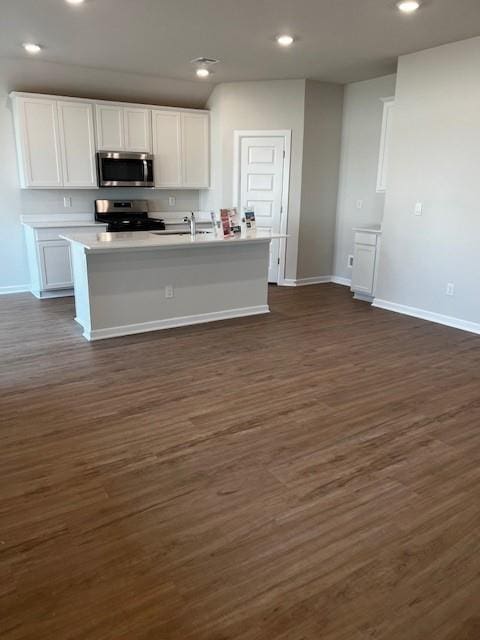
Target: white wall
<point x="320" y="169"/>
<point x="434" y="158"/>
<point x="44" y="77"/>
<point x="362" y="123"/>
<point x="276" y="104"/>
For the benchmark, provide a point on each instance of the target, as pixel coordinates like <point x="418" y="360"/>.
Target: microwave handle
<point x="145" y="171"/>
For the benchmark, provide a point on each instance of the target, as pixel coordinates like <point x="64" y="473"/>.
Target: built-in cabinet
<point x="366" y="250"/>
<point x="38" y="143"/>
<point x="388" y="107"/>
<point x="181" y="149"/>
<point x="123" y="128"/>
<point x="57" y="139"/>
<point x="55" y="144"/>
<point x="77" y="145"/>
<point x="49" y="257"/>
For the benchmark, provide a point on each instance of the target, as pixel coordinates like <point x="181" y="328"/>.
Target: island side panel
<point x="127" y="289"/>
<point x="81" y="286"/>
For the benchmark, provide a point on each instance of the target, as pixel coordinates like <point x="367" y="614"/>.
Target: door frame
<point x="286" y="134"/>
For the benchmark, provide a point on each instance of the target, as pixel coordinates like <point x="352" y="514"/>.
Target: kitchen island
<point x="129" y="283"/>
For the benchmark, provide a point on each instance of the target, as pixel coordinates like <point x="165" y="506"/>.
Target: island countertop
<point x="140" y="240"/>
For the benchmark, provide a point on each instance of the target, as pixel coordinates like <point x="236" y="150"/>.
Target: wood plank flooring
<point x="313" y="474"/>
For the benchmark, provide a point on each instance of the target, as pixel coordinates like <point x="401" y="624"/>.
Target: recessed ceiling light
<point x="32" y="47"/>
<point x="75" y="1"/>
<point x="285" y="40"/>
<point x="202" y="72"/>
<point x="408" y="6"/>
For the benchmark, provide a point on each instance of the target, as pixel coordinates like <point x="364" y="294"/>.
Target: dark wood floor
<point x="313" y="474"/>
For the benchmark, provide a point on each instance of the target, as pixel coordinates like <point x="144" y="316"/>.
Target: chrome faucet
<point x="192" y="223"/>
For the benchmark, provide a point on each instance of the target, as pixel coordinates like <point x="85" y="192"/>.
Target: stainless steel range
<point x="126" y="215"/>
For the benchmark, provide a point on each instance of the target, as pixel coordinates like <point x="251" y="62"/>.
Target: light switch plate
<point x="67" y="202"/>
<point x="172" y="201"/>
<point x="418" y="208"/>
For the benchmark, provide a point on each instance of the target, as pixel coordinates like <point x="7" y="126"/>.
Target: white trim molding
<point x="267" y="133"/>
<point x="423" y="314"/>
<point x="345" y="282"/>
<point x="17" y="288"/>
<point x="303" y="282"/>
<point x="170" y="323"/>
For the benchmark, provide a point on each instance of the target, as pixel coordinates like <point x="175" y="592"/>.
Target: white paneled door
<point x="261" y="185"/>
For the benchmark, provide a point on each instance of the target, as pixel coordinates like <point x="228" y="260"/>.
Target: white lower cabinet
<point x="365" y="263"/>
<point x="49" y="259"/>
<point x="55" y="264"/>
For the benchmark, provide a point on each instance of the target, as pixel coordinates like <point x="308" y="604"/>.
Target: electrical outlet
<point x="350" y="262"/>
<point x="172" y="201"/>
<point x="169" y="291"/>
<point x="359" y="204"/>
<point x="67" y="202"/>
<point x="450" y="290"/>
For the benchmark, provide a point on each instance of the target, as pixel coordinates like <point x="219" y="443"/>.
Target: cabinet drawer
<point x="53" y="233"/>
<point x="362" y="237"/>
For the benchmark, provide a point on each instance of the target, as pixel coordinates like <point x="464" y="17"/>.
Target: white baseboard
<point x="170" y="323"/>
<point x="423" y="314"/>
<point x="18" y="288"/>
<point x="54" y="293"/>
<point x="345" y="282"/>
<point x="302" y="282"/>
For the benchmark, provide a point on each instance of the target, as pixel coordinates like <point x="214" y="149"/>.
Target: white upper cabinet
<point x="138" y="130"/>
<point x="110" y="128"/>
<point x="195" y="150"/>
<point x="167" y="148"/>
<point x="38" y="143"/>
<point x="57" y="140"/>
<point x="77" y="144"/>
<point x="181" y="149"/>
<point x="388" y="105"/>
<point x="123" y="128"/>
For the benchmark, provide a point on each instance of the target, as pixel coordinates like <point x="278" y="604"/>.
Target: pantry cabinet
<point x="181" y="149"/>
<point x="123" y="128"/>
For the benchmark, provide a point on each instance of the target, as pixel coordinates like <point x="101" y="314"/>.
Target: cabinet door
<point x="55" y="264"/>
<point x="382" y="171"/>
<point x="38" y="143"/>
<point x="195" y="150"/>
<point x="110" y="128"/>
<point x="138" y="130"/>
<point x="363" y="268"/>
<point x="77" y="144"/>
<point x="167" y="148"/>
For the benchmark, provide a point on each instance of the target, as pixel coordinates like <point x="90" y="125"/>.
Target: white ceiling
<point x="338" y="40"/>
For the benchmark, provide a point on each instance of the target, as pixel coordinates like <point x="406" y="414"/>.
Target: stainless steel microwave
<point x="120" y="169"/>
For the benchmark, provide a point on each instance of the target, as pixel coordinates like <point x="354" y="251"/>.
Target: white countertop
<point x="65" y="224"/>
<point x="107" y="242"/>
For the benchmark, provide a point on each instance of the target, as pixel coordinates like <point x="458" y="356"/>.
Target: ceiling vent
<point x="204" y="61"/>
